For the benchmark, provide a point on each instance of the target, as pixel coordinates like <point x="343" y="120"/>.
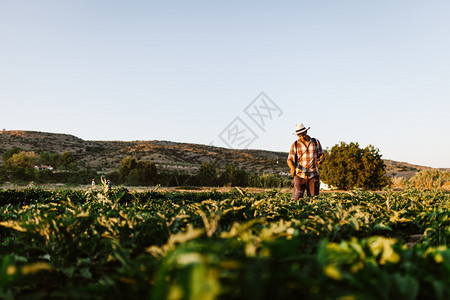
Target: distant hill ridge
<point x="183" y="157"/>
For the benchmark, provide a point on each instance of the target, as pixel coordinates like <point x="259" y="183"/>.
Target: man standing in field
<point x="304" y="158"/>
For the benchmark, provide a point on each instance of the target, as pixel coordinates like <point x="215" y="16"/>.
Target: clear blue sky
<point x="373" y="72"/>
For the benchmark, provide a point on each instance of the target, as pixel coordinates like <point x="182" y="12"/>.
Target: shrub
<point x="137" y="173"/>
<point x="233" y="177"/>
<point x="23" y="159"/>
<point x="347" y="166"/>
<point x="21" y="174"/>
<point x="430" y="178"/>
<point x="66" y="161"/>
<point x="127" y="164"/>
<point x="207" y="174"/>
<point x="43" y="176"/>
<point x="398" y="182"/>
<point x="49" y="159"/>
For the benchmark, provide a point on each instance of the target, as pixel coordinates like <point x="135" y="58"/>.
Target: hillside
<point x="107" y="155"/>
<point x="183" y="157"/>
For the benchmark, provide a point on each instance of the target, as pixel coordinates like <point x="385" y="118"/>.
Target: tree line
<point x="22" y="166"/>
<point x="133" y="172"/>
<point x="47" y="167"/>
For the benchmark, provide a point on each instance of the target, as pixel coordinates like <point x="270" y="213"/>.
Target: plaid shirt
<point x="307" y="158"/>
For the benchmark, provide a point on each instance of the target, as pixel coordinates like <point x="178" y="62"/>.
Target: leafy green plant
<point x="209" y="245"/>
<point x="347" y="166"/>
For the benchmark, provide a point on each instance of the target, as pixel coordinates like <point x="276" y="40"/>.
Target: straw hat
<point x="300" y="128"/>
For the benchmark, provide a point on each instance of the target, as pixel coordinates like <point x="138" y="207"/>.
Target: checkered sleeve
<point x="291" y="156"/>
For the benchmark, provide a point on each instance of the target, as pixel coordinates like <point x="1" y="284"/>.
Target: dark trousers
<point x="311" y="185"/>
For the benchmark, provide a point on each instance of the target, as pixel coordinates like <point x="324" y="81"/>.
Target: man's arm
<point x="290" y="160"/>
<point x="320" y="153"/>
<point x="291" y="166"/>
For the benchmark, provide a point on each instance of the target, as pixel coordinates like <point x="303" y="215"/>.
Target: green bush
<point x="49" y="159"/>
<point x="233" y="177"/>
<point x="126" y="166"/>
<point x="207" y="174"/>
<point x="66" y="161"/>
<point x="21" y="174"/>
<point x="137" y="173"/>
<point x="43" y="176"/>
<point x="347" y="166"/>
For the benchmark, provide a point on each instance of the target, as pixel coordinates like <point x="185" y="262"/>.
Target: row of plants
<point x="120" y="195"/>
<point x="237" y="245"/>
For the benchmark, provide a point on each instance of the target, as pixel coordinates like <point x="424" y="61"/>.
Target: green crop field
<point x="118" y="244"/>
